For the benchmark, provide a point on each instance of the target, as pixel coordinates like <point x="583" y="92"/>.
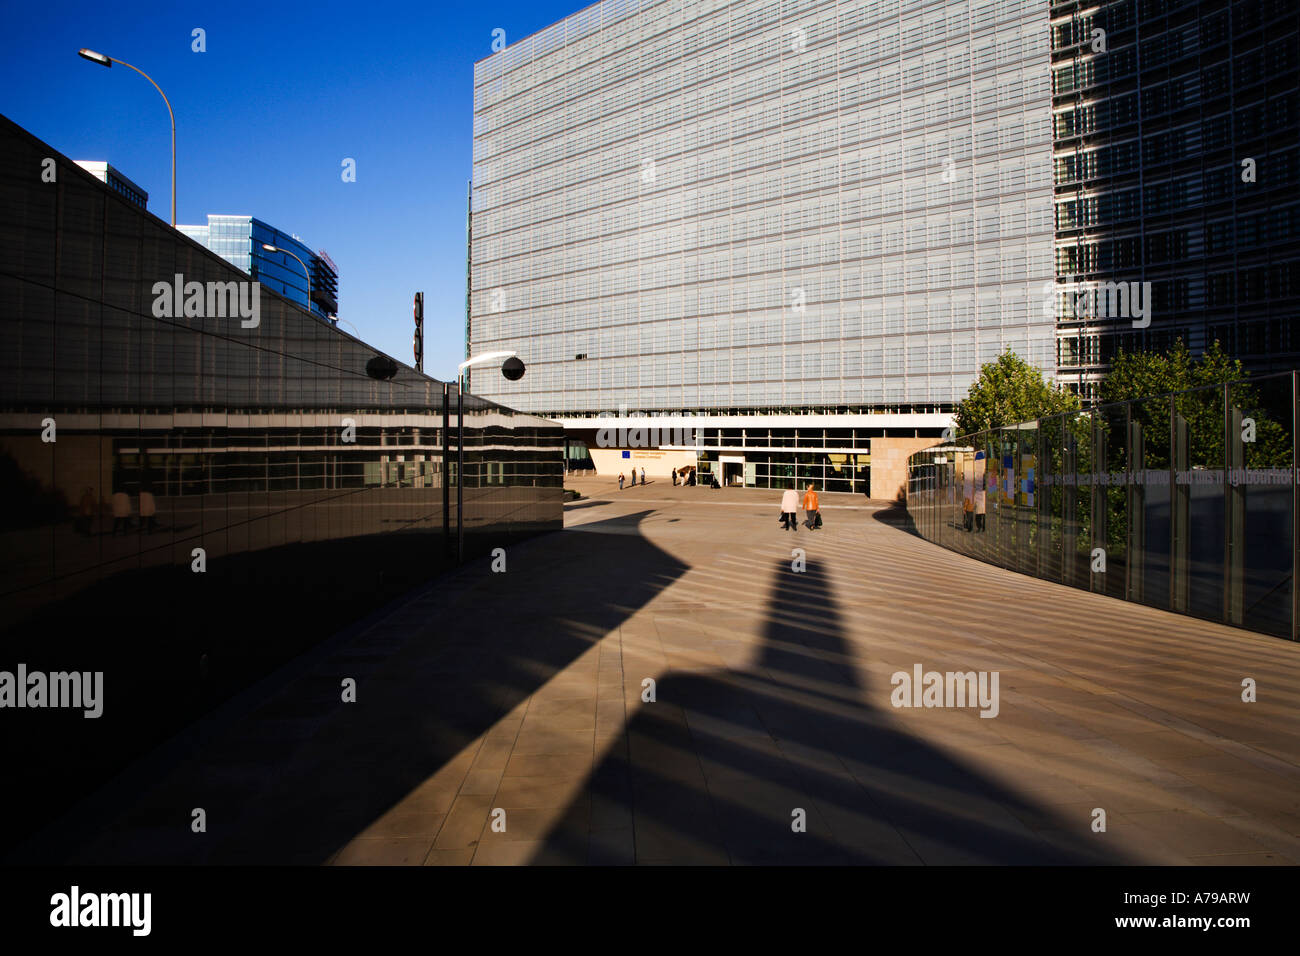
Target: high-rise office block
<point x="1177" y="163"/>
<point x="732" y="207"/>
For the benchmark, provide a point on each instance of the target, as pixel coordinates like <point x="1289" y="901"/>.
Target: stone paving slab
<point x="507" y="719"/>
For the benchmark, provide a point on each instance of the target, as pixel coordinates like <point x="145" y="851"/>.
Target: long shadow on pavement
<point x="306" y="773"/>
<point x="718" y="766"/>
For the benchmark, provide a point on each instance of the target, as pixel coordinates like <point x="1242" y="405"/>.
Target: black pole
<point x="417" y="340"/>
<point x="446" y="471"/>
<point x="460" y="474"/>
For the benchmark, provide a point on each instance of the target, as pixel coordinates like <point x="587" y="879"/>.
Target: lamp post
<point x="305" y="271"/>
<point x="460" y="438"/>
<point x="107" y="62"/>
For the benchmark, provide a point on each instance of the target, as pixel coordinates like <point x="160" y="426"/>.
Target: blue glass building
<point x="239" y="240"/>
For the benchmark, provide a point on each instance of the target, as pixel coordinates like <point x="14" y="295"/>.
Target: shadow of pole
<point x="305" y="773"/>
<point x="721" y="766"/>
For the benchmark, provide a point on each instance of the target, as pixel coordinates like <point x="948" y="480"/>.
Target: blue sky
<point x="265" y="117"/>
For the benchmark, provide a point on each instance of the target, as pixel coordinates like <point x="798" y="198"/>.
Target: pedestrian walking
<point x="633" y="477"/>
<point x="790" y="509"/>
<point x="620" y="481"/>
<point x="121" y="512"/>
<point x="148" y="511"/>
<point x="642" y="474"/>
<point x="811" y="509"/>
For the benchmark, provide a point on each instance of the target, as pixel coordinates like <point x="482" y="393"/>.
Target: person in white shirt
<point x="121" y="512"/>
<point x="790" y="510"/>
<point x="148" y="511"/>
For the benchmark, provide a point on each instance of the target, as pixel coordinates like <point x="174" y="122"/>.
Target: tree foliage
<point x="1142" y="377"/>
<point x="1010" y="391"/>
<point x="1143" y="374"/>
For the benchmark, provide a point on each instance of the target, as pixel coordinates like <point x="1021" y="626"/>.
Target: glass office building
<point x="195" y="495"/>
<point x="239" y="240"/>
<point x="1177" y="163"/>
<point x="700" y="205"/>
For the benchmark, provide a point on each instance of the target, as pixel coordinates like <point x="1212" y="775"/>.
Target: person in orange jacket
<point x="811" y="509"/>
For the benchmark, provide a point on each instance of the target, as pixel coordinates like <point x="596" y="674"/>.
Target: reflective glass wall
<point x="1185" y="502"/>
<point x="1176" y="164"/>
<point x="201" y="480"/>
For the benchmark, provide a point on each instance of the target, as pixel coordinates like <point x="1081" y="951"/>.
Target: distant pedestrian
<point x="811" y="509"/>
<point x="121" y="512"/>
<point x="633" y="477"/>
<point x="643" y="475"/>
<point x="673" y="475"/>
<point x="86" y="512"/>
<point x="790" y="509"/>
<point x="620" y="481"/>
<point x="148" y="511"/>
<point x="690" y="477"/>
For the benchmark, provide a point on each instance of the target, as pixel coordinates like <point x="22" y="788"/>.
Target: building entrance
<point x="732" y="470"/>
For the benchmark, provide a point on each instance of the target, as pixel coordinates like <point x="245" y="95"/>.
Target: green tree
<point x="1143" y="374"/>
<point x="1146" y="375"/>
<point x="1010" y="391"/>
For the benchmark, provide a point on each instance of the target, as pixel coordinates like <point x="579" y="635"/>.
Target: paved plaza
<point x="500" y="715"/>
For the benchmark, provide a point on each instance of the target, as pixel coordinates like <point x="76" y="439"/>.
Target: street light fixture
<point x="306" y="272"/>
<point x="516" y="372"/>
<point x="107" y="62"/>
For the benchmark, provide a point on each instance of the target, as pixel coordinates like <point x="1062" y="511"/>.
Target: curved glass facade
<point x="239" y="240"/>
<point x="201" y="480"/>
<point x="1185" y="502"/>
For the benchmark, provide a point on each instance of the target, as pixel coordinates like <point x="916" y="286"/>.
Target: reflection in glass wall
<point x="1184" y="502"/>
<point x="200" y="480"/>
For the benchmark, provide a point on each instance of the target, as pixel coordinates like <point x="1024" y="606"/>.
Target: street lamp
<point x="305" y="271"/>
<point x="515" y="372"/>
<point x="107" y="62"/>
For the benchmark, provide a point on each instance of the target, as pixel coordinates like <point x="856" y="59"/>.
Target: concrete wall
<point x="889" y="465"/>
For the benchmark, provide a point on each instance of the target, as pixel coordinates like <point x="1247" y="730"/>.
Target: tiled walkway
<point x="500" y="716"/>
